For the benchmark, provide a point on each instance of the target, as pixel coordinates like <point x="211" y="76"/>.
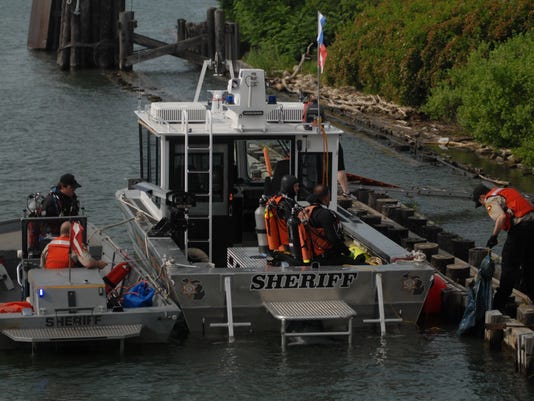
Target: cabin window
<point x="149" y="156"/>
<point x="312" y="169"/>
<point x="254" y="169"/>
<point x="198" y="179"/>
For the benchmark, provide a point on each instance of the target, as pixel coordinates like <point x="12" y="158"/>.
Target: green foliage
<point x="268" y="58"/>
<point x="288" y="26"/>
<point x="493" y="95"/>
<point x="402" y="49"/>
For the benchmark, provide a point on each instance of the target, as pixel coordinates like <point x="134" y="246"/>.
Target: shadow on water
<point x="490" y="168"/>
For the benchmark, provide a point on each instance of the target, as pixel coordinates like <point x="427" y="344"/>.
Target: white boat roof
<point x="241" y="110"/>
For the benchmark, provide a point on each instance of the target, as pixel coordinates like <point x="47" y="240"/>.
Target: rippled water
<point x="54" y="122"/>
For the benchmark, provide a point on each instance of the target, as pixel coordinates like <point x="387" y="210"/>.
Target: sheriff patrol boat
<point x="37" y="305"/>
<point x="196" y="221"/>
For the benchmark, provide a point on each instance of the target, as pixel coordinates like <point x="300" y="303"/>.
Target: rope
<point x="101" y="229"/>
<point x="131" y="205"/>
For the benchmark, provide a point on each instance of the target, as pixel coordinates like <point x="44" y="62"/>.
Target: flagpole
<point x="70" y="252"/>
<point x="318" y="69"/>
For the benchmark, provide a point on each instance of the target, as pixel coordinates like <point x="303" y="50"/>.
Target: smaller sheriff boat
<point x="196" y="221"/>
<point x="37" y="305"/>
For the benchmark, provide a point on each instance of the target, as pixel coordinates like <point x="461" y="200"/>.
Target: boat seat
<point x="286" y="311"/>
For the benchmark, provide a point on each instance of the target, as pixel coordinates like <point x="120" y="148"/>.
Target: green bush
<point x="401" y="49"/>
<point x="493" y="95"/>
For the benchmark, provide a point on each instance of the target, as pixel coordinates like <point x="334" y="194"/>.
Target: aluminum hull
<point x="156" y="322"/>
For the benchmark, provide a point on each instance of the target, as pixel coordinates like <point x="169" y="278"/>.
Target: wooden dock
<point x="456" y="261"/>
<point x="89" y="34"/>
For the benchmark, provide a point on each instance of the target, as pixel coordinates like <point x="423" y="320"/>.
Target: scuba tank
<point x="293" y="234"/>
<point x="306" y="246"/>
<point x="271" y="225"/>
<point x="261" y="232"/>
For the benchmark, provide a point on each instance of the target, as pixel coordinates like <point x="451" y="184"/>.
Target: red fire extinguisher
<point x="116" y="275"/>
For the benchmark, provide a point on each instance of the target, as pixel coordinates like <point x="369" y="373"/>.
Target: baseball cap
<point x="68" y="179"/>
<point x="480" y="189"/>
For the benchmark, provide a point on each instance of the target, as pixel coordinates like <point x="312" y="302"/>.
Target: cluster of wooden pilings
<point x="101" y="34"/>
<point x="457" y="261"/>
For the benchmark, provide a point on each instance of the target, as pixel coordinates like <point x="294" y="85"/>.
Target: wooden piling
<point x="63" y="55"/>
<point x="373" y="197"/>
<point x="363" y="195"/>
<point x="125" y="39"/>
<point x="409" y="242"/>
<point x="371" y="219"/>
<point x="380" y="203"/>
<point x="414" y="223"/>
<point x="476" y="255"/>
<point x="220" y="55"/>
<point x="440" y="262"/>
<point x="461" y="246"/>
<point x="458" y="272"/>
<point x="210" y="26"/>
<point x="75" y="39"/>
<point x="397" y="234"/>
<point x="445" y="240"/>
<point x="430" y="232"/>
<point x="428" y="248"/>
<point x="453" y="304"/>
<point x="405" y="213"/>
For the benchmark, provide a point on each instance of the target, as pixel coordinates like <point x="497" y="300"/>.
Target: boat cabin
<point x="207" y="164"/>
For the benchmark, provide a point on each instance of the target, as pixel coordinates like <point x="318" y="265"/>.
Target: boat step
<point x="311" y="310"/>
<point x="84" y="333"/>
<point x="4" y="276"/>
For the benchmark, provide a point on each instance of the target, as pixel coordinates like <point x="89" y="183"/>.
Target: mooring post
<point x="75" y="37"/>
<point x="180" y="29"/>
<point x="63" y="55"/>
<point x="104" y="16"/>
<point x="210" y="25"/>
<point x="126" y="26"/>
<point x="220" y="55"/>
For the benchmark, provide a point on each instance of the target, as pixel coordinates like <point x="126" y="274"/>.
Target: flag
<point x="76" y="238"/>
<point x="322" y="52"/>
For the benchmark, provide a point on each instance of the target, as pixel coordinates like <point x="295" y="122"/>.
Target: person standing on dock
<point x="515" y="214"/>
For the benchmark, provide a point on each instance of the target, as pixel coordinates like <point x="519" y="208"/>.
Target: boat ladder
<point x="4" y="276"/>
<point x="381" y="314"/>
<point x="230" y="324"/>
<point x="205" y="147"/>
<point x="81" y="333"/>
<point x="287" y="311"/>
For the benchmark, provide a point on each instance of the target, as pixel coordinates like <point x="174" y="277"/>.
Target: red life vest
<point x="276" y="227"/>
<point x="313" y="239"/>
<point x="58" y="253"/>
<point x="514" y="202"/>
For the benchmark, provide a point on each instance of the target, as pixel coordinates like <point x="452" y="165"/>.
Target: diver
<point x="278" y="210"/>
<point x="325" y="232"/>
<point x="60" y="201"/>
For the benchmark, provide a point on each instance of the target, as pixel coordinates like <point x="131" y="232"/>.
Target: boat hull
<point x="201" y="293"/>
<point x="72" y="306"/>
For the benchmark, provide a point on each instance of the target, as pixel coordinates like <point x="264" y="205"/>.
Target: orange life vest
<point x="313" y="239"/>
<point x="58" y="253"/>
<point x="514" y="202"/>
<point x="276" y="227"/>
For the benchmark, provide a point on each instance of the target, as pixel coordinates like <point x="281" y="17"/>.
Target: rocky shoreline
<point x="403" y="125"/>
